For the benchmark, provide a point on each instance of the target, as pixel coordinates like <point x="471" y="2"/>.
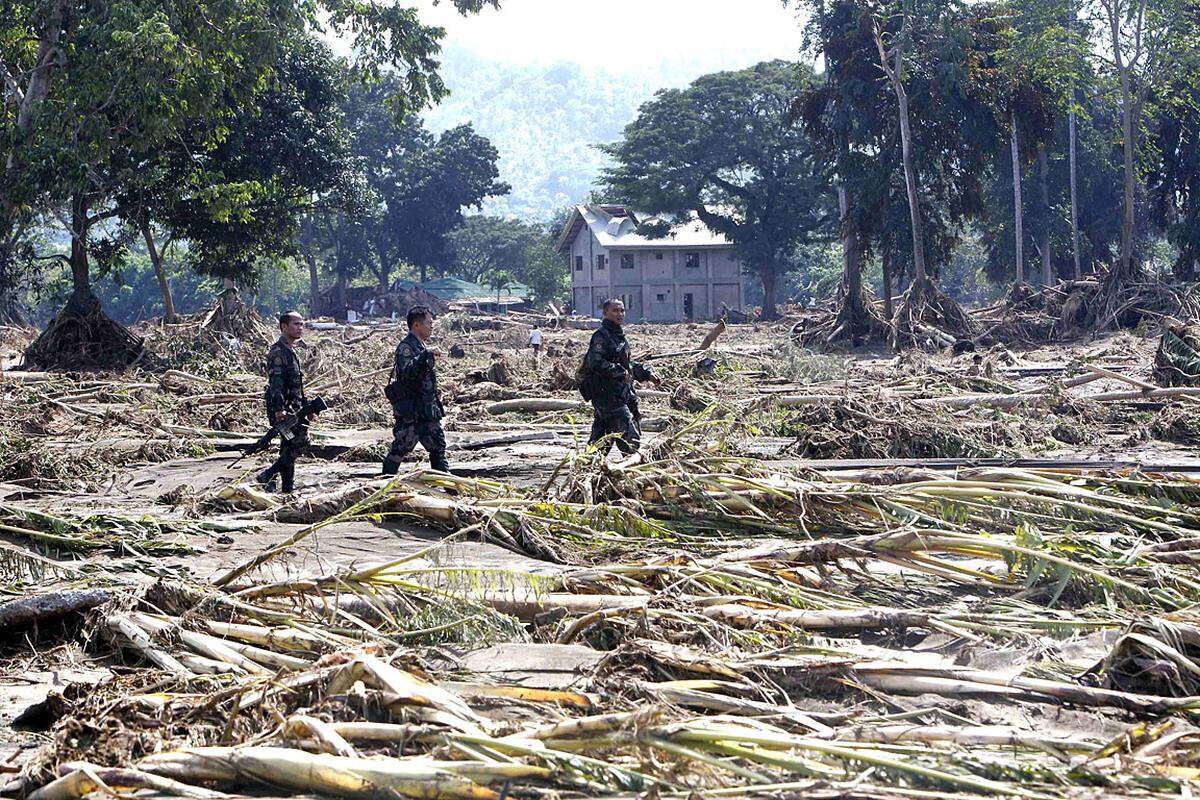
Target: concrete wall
<point x="653" y="283"/>
<point x="587" y="274"/>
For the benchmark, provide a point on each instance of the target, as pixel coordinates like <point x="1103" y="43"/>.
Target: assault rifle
<point x="285" y="426"/>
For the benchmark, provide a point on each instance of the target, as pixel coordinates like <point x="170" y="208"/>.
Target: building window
<point x="658" y="256"/>
<point x="579" y="263"/>
<point x="662" y="298"/>
<point x="692" y="261"/>
<point x="626" y="260"/>
<point x="599" y="262"/>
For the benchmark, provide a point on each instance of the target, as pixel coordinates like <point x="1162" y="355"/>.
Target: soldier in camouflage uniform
<point x="285" y="395"/>
<point x="416" y="406"/>
<point x="611" y="373"/>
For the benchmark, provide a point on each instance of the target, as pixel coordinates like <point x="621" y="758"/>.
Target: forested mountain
<point x="546" y="121"/>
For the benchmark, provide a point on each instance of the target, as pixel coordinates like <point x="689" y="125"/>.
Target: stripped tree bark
<point x="892" y="61"/>
<point x="1044" y="187"/>
<point x="1018" y="206"/>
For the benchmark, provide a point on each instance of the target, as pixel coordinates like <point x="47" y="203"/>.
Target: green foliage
<point x="410" y="191"/>
<point x="951" y="74"/>
<point x="484" y="245"/>
<point x="241" y="206"/>
<point x="212" y="117"/>
<point x="1174" y="188"/>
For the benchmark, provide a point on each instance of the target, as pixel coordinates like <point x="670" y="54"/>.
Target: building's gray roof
<point x="616" y="227"/>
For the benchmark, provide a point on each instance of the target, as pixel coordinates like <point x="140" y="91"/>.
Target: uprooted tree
<point x="91" y="88"/>
<point x="727" y="150"/>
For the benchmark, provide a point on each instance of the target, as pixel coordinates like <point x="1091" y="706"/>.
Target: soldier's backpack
<point x="583" y="379"/>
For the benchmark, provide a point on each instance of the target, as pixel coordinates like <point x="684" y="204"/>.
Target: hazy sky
<point x="624" y="34"/>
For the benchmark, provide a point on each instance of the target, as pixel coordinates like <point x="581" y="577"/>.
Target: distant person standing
<point x="610" y="375"/>
<point x="535" y="342"/>
<point x="284" y="396"/>
<point x="413" y="393"/>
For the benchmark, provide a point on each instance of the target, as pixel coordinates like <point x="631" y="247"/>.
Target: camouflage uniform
<point x="614" y="402"/>
<point x="418" y="413"/>
<point x="285" y="392"/>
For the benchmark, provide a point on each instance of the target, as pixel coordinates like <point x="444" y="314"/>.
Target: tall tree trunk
<point x="164" y="285"/>
<point x="910" y="185"/>
<point x="384" y="273"/>
<point x="82" y="299"/>
<point x="229" y="298"/>
<point x="894" y="72"/>
<point x="1018" y="205"/>
<point x="885" y="258"/>
<point x="314" y="285"/>
<point x="1074" y="193"/>
<point x="853" y="311"/>
<point x="769" y="277"/>
<point x="1044" y="185"/>
<point x="1127" y="144"/>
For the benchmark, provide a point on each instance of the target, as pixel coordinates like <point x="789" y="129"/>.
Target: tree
<point x="498" y="280"/>
<point x="1150" y="43"/>
<point x="948" y="75"/>
<point x="1041" y="62"/>
<point x="835" y="112"/>
<point x="1097" y="190"/>
<point x="107" y="81"/>
<point x="432" y="189"/>
<point x="726" y="150"/>
<point x="421" y="183"/>
<point x="241" y="205"/>
<point x="1174" y="187"/>
<point x="482" y="244"/>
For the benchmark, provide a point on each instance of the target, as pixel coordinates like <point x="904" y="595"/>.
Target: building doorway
<point x="689" y="306"/>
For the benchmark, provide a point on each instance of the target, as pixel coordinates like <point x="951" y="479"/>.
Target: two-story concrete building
<point x="689" y="274"/>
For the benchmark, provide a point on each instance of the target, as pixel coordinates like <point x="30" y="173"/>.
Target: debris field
<point x="923" y="575"/>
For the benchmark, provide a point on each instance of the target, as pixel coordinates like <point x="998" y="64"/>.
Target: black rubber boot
<point x="287" y="476"/>
<point x="266" y="478"/>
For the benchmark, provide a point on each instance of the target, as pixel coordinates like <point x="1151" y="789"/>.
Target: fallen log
<point x="79" y="779"/>
<point x="25" y="611"/>
<point x="537" y="404"/>
<point x="1101" y="372"/>
<point x="1151" y="394"/>
<point x="525" y="605"/>
<point x="797" y="400"/>
<point x="512" y="438"/>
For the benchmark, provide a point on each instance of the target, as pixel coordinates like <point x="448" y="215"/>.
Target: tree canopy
<point x="727" y="150"/>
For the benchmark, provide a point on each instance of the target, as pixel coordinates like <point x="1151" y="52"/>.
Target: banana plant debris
<point x="925" y="575"/>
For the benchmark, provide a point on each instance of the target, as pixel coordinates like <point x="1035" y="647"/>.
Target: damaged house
<point x="691" y="273"/>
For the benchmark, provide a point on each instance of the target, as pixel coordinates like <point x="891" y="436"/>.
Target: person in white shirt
<point x="535" y="341"/>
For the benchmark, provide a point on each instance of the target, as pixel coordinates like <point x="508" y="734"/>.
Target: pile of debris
<point x="680" y="622"/>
